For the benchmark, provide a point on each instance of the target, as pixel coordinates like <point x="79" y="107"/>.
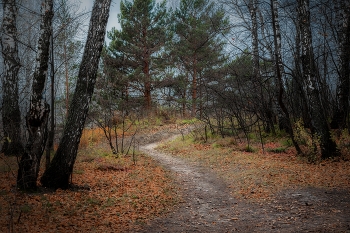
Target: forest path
<point x="208" y="205"/>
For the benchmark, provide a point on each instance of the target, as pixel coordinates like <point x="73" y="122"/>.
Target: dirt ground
<point x="208" y="205"/>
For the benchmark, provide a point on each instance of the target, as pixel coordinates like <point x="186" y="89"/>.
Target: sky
<point x="113" y="14"/>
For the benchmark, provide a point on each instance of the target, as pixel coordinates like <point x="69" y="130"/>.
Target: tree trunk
<point x="279" y="71"/>
<point x="255" y="41"/>
<point x="66" y="75"/>
<point x="51" y="136"/>
<point x="11" y="115"/>
<point x="61" y="168"/>
<point x="317" y="113"/>
<point x="147" y="90"/>
<point x="38" y="114"/>
<point x="147" y="81"/>
<point x="194" y="87"/>
<point x="264" y="108"/>
<point x="342" y="109"/>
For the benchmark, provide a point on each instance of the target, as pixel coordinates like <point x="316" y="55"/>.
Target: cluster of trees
<point x="235" y="64"/>
<point x="31" y="149"/>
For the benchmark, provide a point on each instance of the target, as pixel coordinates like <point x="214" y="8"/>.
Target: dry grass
<point x="259" y="175"/>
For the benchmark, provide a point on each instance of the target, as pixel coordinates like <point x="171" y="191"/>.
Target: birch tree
<point x="61" y="167"/>
<point x="309" y="71"/>
<point x="343" y="90"/>
<point x="11" y="115"/>
<point x="37" y="116"/>
<point x="279" y="70"/>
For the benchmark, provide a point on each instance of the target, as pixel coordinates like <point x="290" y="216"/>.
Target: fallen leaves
<point x="261" y="174"/>
<point x="107" y="196"/>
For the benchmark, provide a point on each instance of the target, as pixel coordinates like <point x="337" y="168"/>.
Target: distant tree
<point x="61" y="167"/>
<point x="139" y="45"/>
<point x="37" y="116"/>
<point x="67" y="48"/>
<point x="341" y="112"/>
<point x="310" y="77"/>
<point x="279" y="72"/>
<point x="11" y="115"/>
<point x="198" y="26"/>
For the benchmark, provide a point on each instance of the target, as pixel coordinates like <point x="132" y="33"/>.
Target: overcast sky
<point x="113" y="14"/>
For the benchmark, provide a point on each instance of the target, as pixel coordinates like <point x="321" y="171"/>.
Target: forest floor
<point x="228" y="195"/>
<point x="183" y="186"/>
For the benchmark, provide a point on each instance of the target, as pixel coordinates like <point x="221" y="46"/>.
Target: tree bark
<point x="194" y="87"/>
<point x="51" y="135"/>
<point x="279" y="72"/>
<point x="342" y="109"/>
<point x="11" y="115"/>
<point x="38" y="114"/>
<point x="146" y="72"/>
<point x="255" y="40"/>
<point x="61" y="168"/>
<point x="317" y="113"/>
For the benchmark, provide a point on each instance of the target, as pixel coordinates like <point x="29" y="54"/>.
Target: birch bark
<point x="317" y="113"/>
<point x="37" y="116"/>
<point x="11" y="115"/>
<point x="61" y="167"/>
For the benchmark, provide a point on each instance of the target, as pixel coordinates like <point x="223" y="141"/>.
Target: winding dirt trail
<point x="209" y="207"/>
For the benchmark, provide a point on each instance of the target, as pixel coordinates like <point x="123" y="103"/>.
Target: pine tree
<point x="139" y="45"/>
<point x="198" y="25"/>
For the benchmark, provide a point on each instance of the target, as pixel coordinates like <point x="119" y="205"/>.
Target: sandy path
<point x="209" y="207"/>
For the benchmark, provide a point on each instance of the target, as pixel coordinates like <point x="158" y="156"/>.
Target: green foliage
<point x="135" y="54"/>
<point x="188" y="121"/>
<point x="252" y="136"/>
<point x="277" y="150"/>
<point x="250" y="149"/>
<point x="198" y="46"/>
<point x="343" y="141"/>
<point x="301" y="135"/>
<point x="310" y="142"/>
<point x="215" y="145"/>
<point x="287" y="142"/>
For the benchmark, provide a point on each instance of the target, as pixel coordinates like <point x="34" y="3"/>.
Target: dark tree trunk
<point x="265" y="108"/>
<point x="11" y="116"/>
<point x="146" y="72"/>
<point x="317" y="113"/>
<point x="342" y="109"/>
<point x="194" y="87"/>
<point x="61" y="167"/>
<point x="279" y="72"/>
<point x="38" y="114"/>
<point x="51" y="136"/>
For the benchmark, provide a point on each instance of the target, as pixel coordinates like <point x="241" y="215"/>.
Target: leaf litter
<point x="217" y="189"/>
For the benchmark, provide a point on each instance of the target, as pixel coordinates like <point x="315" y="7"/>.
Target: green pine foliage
<point x="136" y="51"/>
